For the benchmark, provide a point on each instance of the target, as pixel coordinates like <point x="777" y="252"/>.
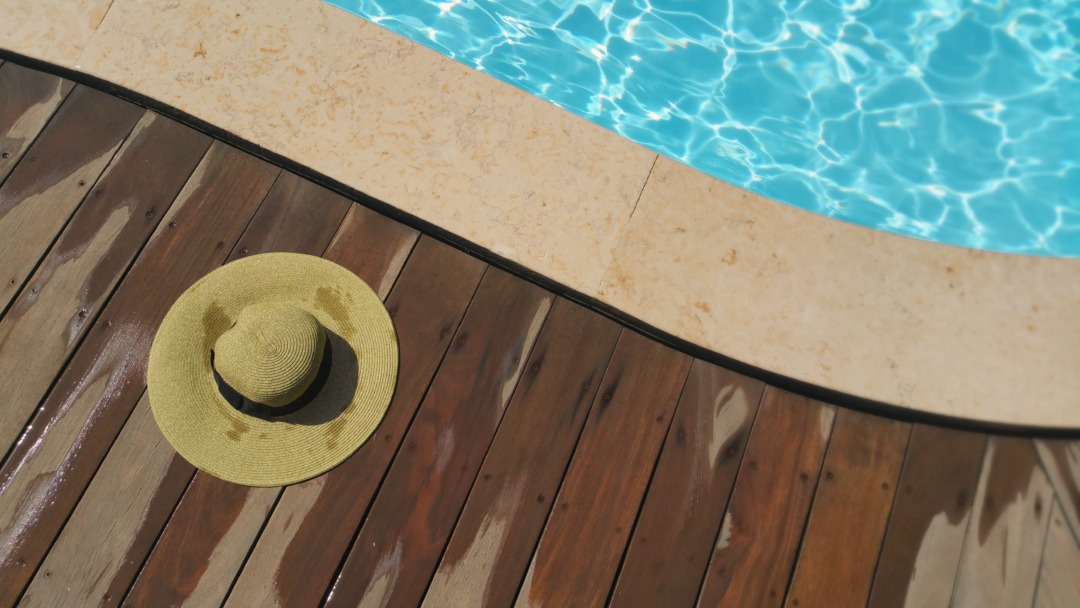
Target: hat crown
<point x="271" y="354"/>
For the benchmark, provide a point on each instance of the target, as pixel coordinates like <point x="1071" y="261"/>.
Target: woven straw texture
<point x="233" y="446"/>
<point x="272" y="353"/>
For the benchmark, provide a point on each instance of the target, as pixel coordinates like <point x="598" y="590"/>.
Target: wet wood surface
<point x="115" y="553"/>
<point x="851" y="507"/>
<point x="505" y="513"/>
<point x="673" y="539"/>
<point x="1000" y="562"/>
<point x="28" y="99"/>
<point x="54" y="175"/>
<point x="397" y="549"/>
<point x="929" y="519"/>
<point x="69" y="287"/>
<point x="429" y="302"/>
<point x="1059" y="576"/>
<point x="534" y="453"/>
<point x="70" y="433"/>
<point x="605" y="483"/>
<point x="1060" y="460"/>
<point x="755" y="549"/>
<point x="216" y="523"/>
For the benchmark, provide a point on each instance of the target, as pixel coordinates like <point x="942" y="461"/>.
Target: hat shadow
<point x="333" y="390"/>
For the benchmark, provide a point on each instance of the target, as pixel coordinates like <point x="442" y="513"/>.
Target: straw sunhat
<point x="272" y="369"/>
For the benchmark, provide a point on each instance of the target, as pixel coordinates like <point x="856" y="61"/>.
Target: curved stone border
<point x="942" y="330"/>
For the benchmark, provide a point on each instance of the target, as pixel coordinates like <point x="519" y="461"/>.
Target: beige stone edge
<point x="939" y="329"/>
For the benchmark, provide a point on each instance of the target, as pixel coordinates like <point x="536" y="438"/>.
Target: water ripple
<point x="948" y="120"/>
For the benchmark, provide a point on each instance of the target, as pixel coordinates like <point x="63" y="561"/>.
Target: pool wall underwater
<point x="952" y="121"/>
<point x="975" y="335"/>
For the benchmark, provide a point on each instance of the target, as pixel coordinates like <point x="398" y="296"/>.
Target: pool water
<point x="949" y="120"/>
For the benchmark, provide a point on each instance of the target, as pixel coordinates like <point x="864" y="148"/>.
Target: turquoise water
<point x="953" y="121"/>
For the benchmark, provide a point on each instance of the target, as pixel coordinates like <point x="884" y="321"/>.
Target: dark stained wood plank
<point x="1000" y="561"/>
<point x="669" y="550"/>
<point x="54" y="460"/>
<point x="314" y="522"/>
<point x="929" y="520"/>
<point x="851" y="509"/>
<point x="28" y="99"/>
<point x="493" y="542"/>
<point x="106" y="540"/>
<point x="192" y="576"/>
<point x="755" y="551"/>
<point x="55" y="174"/>
<point x="579" y="553"/>
<point x="376" y="249"/>
<point x="398" y="547"/>
<point x="215" y="524"/>
<point x="297" y="216"/>
<point x="67" y="290"/>
<point x="1061" y="461"/>
<point x="1059" y="577"/>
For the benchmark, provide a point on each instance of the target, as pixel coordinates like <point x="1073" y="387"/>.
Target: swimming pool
<point x="948" y="120"/>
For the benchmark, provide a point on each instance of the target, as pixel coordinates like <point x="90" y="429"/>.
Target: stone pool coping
<point x="938" y="329"/>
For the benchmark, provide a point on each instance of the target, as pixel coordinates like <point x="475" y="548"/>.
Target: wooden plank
<point x="66" y="292"/>
<point x="96" y="542"/>
<point x="56" y="173"/>
<point x="398" y="547"/>
<point x="759" y="537"/>
<point x="215" y="524"/>
<point x="929" y="520"/>
<point x="1000" y="561"/>
<point x="314" y="522"/>
<point x="579" y="553"/>
<point x="105" y="542"/>
<point x="669" y="551"/>
<point x="505" y="513"/>
<point x="851" y="509"/>
<point x="192" y="577"/>
<point x="297" y="216"/>
<point x="28" y="99"/>
<point x="1061" y="461"/>
<point x="53" y="462"/>
<point x="1059" y="577"/>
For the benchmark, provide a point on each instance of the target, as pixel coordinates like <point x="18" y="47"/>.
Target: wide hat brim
<point x="215" y="437"/>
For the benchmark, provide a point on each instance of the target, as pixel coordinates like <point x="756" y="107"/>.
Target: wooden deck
<point x="535" y="452"/>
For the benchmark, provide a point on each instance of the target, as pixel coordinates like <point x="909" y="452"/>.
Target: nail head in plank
<point x="313" y="524"/>
<point x="54" y="176"/>
<point x="1000" y="561"/>
<point x="398" y="547"/>
<point x="52" y="464"/>
<point x="929" y="520"/>
<point x="585" y="536"/>
<point x="98" y="546"/>
<point x="755" y="550"/>
<point x="669" y="551"/>
<point x="1059" y="577"/>
<point x="64" y="295"/>
<point x="28" y="99"/>
<point x="505" y="513"/>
